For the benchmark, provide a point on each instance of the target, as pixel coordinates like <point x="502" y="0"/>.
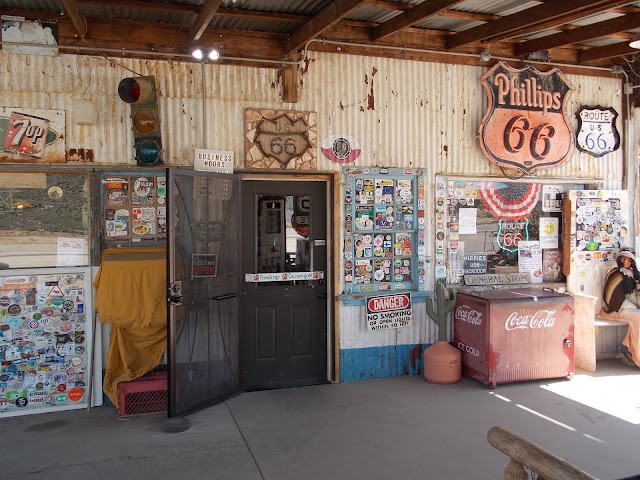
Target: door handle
<point x="322" y="295"/>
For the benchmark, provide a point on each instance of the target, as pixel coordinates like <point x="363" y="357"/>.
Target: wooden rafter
<point x="71" y="7"/>
<point x="204" y="17"/>
<point x="327" y="17"/>
<point x="581" y="34"/>
<point x="536" y="18"/>
<point x="619" y="49"/>
<point x="419" y="12"/>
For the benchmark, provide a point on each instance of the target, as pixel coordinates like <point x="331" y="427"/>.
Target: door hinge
<point x="175" y="293"/>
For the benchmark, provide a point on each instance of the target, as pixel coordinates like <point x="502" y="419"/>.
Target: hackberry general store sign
<point x="525" y="125"/>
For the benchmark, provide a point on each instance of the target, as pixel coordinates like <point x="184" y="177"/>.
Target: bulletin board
<point x="384" y="230"/>
<point x="133" y="208"/>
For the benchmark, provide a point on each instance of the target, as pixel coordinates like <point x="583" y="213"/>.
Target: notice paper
<point x="467" y="221"/>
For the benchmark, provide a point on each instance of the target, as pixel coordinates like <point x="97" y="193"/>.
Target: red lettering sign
<point x="390" y="302"/>
<point x="526" y="125"/>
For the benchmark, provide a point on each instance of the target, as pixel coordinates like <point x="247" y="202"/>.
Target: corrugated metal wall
<point x="403" y="113"/>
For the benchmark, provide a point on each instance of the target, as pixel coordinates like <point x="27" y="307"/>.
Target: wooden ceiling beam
<point x="416" y="14"/>
<point x="204" y="17"/>
<point x="619" y="49"/>
<point x="581" y="34"/>
<point x="537" y="18"/>
<point x="72" y="9"/>
<point x="329" y="16"/>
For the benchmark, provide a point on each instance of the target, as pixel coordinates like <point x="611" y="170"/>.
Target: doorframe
<point x="332" y="182"/>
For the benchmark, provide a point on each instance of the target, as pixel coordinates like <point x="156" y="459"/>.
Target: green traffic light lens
<point x="148" y="151"/>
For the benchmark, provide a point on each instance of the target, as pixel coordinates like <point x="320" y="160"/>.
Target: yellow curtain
<point x="131" y="297"/>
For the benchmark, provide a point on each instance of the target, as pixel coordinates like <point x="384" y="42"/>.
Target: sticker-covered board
<point x="46" y="329"/>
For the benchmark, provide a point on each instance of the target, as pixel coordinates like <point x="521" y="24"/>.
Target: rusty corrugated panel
<point x="354" y="333"/>
<point x="403" y="113"/>
<point x="408" y="114"/>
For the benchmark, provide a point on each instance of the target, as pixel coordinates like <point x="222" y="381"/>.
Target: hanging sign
<point x="597" y="132"/>
<point x="525" y="125"/>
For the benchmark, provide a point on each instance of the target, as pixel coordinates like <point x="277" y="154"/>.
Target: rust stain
<point x="415" y="357"/>
<point x="81" y="155"/>
<point x="370" y="96"/>
<point x="341" y="106"/>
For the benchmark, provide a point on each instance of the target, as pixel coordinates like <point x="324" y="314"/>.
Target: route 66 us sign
<point x="597" y="132"/>
<point x="525" y="125"/>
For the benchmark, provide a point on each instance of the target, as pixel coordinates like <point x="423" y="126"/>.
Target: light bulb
<point x="197" y="53"/>
<point x="214" y="55"/>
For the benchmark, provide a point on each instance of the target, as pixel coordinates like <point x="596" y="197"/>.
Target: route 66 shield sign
<point x="597" y="132"/>
<point x="525" y="125"/>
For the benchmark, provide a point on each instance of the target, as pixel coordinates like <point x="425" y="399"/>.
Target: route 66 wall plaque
<point x="597" y="132"/>
<point x="525" y="125"/>
<point x="280" y="139"/>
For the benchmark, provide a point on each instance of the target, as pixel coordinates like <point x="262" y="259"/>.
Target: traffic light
<point x="140" y="93"/>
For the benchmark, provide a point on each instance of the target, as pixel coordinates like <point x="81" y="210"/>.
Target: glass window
<point x="283" y="224"/>
<point x="44" y="219"/>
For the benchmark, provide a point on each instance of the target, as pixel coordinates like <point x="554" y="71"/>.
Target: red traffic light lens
<point x="136" y="90"/>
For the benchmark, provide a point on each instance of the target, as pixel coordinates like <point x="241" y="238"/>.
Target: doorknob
<point x="322" y="295"/>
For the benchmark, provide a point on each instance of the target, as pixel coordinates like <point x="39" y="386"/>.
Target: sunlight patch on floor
<point x="616" y="395"/>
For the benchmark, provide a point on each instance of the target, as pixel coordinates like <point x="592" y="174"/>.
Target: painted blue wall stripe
<point x="380" y="362"/>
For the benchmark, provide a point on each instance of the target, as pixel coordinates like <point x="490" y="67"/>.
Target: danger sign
<point x="389" y="311"/>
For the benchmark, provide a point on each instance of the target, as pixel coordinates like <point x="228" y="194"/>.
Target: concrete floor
<point x="401" y="427"/>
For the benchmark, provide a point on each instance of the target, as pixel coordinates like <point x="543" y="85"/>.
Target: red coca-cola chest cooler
<point x="514" y="335"/>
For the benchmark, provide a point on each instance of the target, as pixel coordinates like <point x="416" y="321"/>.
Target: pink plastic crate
<point x="144" y="395"/>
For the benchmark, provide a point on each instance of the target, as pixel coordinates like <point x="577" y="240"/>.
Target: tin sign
<point x="389" y="311"/>
<point x="220" y="161"/>
<point x="597" y="132"/>
<point x="525" y="125"/>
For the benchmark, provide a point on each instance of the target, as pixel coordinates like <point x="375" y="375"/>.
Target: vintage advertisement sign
<point x="32" y="135"/>
<point x="20" y="30"/>
<point x="597" y="132"/>
<point x="525" y="125"/>
<point x="389" y="311"/>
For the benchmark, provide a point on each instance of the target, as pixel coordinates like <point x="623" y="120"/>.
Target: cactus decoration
<point x="444" y="306"/>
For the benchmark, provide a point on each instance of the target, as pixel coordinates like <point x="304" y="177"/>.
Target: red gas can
<point x="514" y="335"/>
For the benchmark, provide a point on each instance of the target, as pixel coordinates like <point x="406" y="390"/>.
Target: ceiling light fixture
<point x="485" y="56"/>
<point x="214" y="55"/>
<point x="635" y="41"/>
<point x="197" y="54"/>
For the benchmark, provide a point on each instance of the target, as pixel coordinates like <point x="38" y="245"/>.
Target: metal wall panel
<point x="403" y="113"/>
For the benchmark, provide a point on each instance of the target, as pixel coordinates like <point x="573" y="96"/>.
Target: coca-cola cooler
<point x="514" y="335"/>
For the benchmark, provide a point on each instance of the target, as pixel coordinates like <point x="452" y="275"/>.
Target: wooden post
<point x="290" y="84"/>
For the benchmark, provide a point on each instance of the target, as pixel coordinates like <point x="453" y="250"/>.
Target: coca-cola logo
<point x="539" y="319"/>
<point x="469" y="315"/>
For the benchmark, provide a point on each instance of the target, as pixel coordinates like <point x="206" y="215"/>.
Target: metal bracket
<point x="175" y="293"/>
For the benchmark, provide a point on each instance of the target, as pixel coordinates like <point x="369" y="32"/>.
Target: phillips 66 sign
<point x="597" y="132"/>
<point x="525" y="125"/>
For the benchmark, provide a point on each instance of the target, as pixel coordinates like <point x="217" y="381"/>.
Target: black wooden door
<point x="283" y="329"/>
